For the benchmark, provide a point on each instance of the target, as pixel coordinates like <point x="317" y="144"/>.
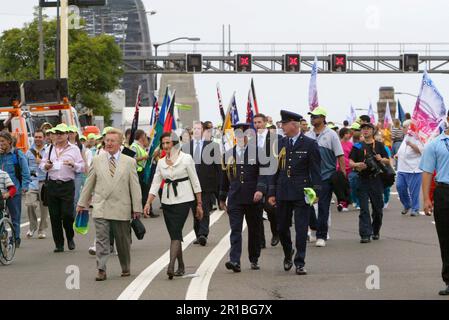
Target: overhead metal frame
<point x="177" y="64"/>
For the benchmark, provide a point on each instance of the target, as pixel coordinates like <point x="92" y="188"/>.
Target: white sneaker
<point x="320" y="243"/>
<point x="345" y="210"/>
<point x="30" y="233"/>
<point x="312" y="236"/>
<point x="92" y="251"/>
<point x="386" y="205"/>
<point x="42" y="235"/>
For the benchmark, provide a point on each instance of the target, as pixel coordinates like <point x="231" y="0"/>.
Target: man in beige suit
<point x="116" y="199"/>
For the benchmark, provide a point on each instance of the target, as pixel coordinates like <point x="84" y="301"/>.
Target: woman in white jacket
<point x="181" y="186"/>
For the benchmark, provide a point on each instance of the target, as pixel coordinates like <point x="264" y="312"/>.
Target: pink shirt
<point x="347" y="147"/>
<point x="61" y="171"/>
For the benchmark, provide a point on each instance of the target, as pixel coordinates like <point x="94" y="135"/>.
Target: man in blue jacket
<point x="244" y="185"/>
<point x="14" y="162"/>
<point x="298" y="168"/>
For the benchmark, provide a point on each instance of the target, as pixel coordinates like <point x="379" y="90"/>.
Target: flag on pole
<point x="135" y="123"/>
<point x="253" y="97"/>
<point x="169" y="123"/>
<point x="160" y="121"/>
<point x="220" y="102"/>
<point x="250" y="109"/>
<point x="353" y="115"/>
<point x="228" y="131"/>
<point x="388" y="121"/>
<point x="313" y="91"/>
<point x="401" y="113"/>
<point x="371" y="114"/>
<point x="429" y="113"/>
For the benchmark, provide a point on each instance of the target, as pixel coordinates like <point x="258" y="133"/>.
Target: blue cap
<point x="242" y="126"/>
<point x="287" y="116"/>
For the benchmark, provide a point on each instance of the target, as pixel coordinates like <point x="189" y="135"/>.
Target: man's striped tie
<point x="112" y="166"/>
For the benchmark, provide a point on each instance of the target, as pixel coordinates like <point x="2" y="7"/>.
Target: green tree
<point x="95" y="63"/>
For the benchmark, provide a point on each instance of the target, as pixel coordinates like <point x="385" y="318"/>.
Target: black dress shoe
<point x="234" y="266"/>
<point x="376" y="237"/>
<point x="196" y="241"/>
<point x="301" y="271"/>
<point x="71" y="244"/>
<point x="58" y="249"/>
<point x="255" y="266"/>
<point x="274" y="241"/>
<point x="202" y="240"/>
<point x="444" y="292"/>
<point x="288" y="263"/>
<point x="365" y="240"/>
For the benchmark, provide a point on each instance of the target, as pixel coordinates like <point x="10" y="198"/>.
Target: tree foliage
<point x="95" y="63"/>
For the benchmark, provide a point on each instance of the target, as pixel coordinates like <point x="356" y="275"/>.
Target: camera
<point x="374" y="167"/>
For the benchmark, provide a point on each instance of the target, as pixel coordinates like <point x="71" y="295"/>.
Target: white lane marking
<point x="135" y="289"/>
<point x="199" y="286"/>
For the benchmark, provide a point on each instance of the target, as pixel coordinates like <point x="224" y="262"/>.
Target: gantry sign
<point x="287" y="63"/>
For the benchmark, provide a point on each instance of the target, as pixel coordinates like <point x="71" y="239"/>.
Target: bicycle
<point x="7" y="236"/>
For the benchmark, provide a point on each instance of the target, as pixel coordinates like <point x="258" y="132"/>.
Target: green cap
<point x="62" y="127"/>
<point x="310" y="196"/>
<point x="98" y="137"/>
<point x="83" y="138"/>
<point x="106" y="130"/>
<point x="355" y="126"/>
<point x="73" y="129"/>
<point x="319" y="111"/>
<point x="51" y="130"/>
<point x="92" y="136"/>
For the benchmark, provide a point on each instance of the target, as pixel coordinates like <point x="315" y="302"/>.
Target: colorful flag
<point x="135" y="123"/>
<point x="313" y="91"/>
<point x="352" y="115"/>
<point x="371" y="114"/>
<point x="228" y="131"/>
<point x="429" y="113"/>
<point x="220" y="102"/>
<point x="234" y="112"/>
<point x="253" y="97"/>
<point x="169" y="123"/>
<point x="401" y="113"/>
<point x="388" y="121"/>
<point x="250" y="112"/>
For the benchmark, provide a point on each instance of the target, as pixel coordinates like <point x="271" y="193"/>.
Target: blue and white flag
<point x="313" y="91"/>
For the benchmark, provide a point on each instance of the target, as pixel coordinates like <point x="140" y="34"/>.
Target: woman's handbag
<point x="139" y="228"/>
<point x="44" y="189"/>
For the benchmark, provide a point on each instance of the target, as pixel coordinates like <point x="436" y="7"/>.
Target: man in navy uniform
<point x="244" y="186"/>
<point x="298" y="168"/>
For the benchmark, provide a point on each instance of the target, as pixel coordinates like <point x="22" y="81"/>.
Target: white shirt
<point x="261" y="138"/>
<point x="295" y="138"/>
<point x="116" y="156"/>
<point x="195" y="144"/>
<point x="409" y="159"/>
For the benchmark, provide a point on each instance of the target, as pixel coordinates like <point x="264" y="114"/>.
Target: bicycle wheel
<point x="7" y="241"/>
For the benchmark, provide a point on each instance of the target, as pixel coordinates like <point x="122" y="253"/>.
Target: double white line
<point x="143" y="280"/>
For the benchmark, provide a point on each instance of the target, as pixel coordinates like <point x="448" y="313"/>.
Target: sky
<point x="290" y="21"/>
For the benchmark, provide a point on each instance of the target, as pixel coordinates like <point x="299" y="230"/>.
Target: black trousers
<point x="252" y="214"/>
<point x="340" y="186"/>
<point x="144" y="188"/>
<point x="286" y="210"/>
<point x="60" y="206"/>
<point x="201" y="227"/>
<point x="371" y="190"/>
<point x="271" y="213"/>
<point x="441" y="213"/>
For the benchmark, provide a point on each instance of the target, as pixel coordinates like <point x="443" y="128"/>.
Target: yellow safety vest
<point x="140" y="153"/>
